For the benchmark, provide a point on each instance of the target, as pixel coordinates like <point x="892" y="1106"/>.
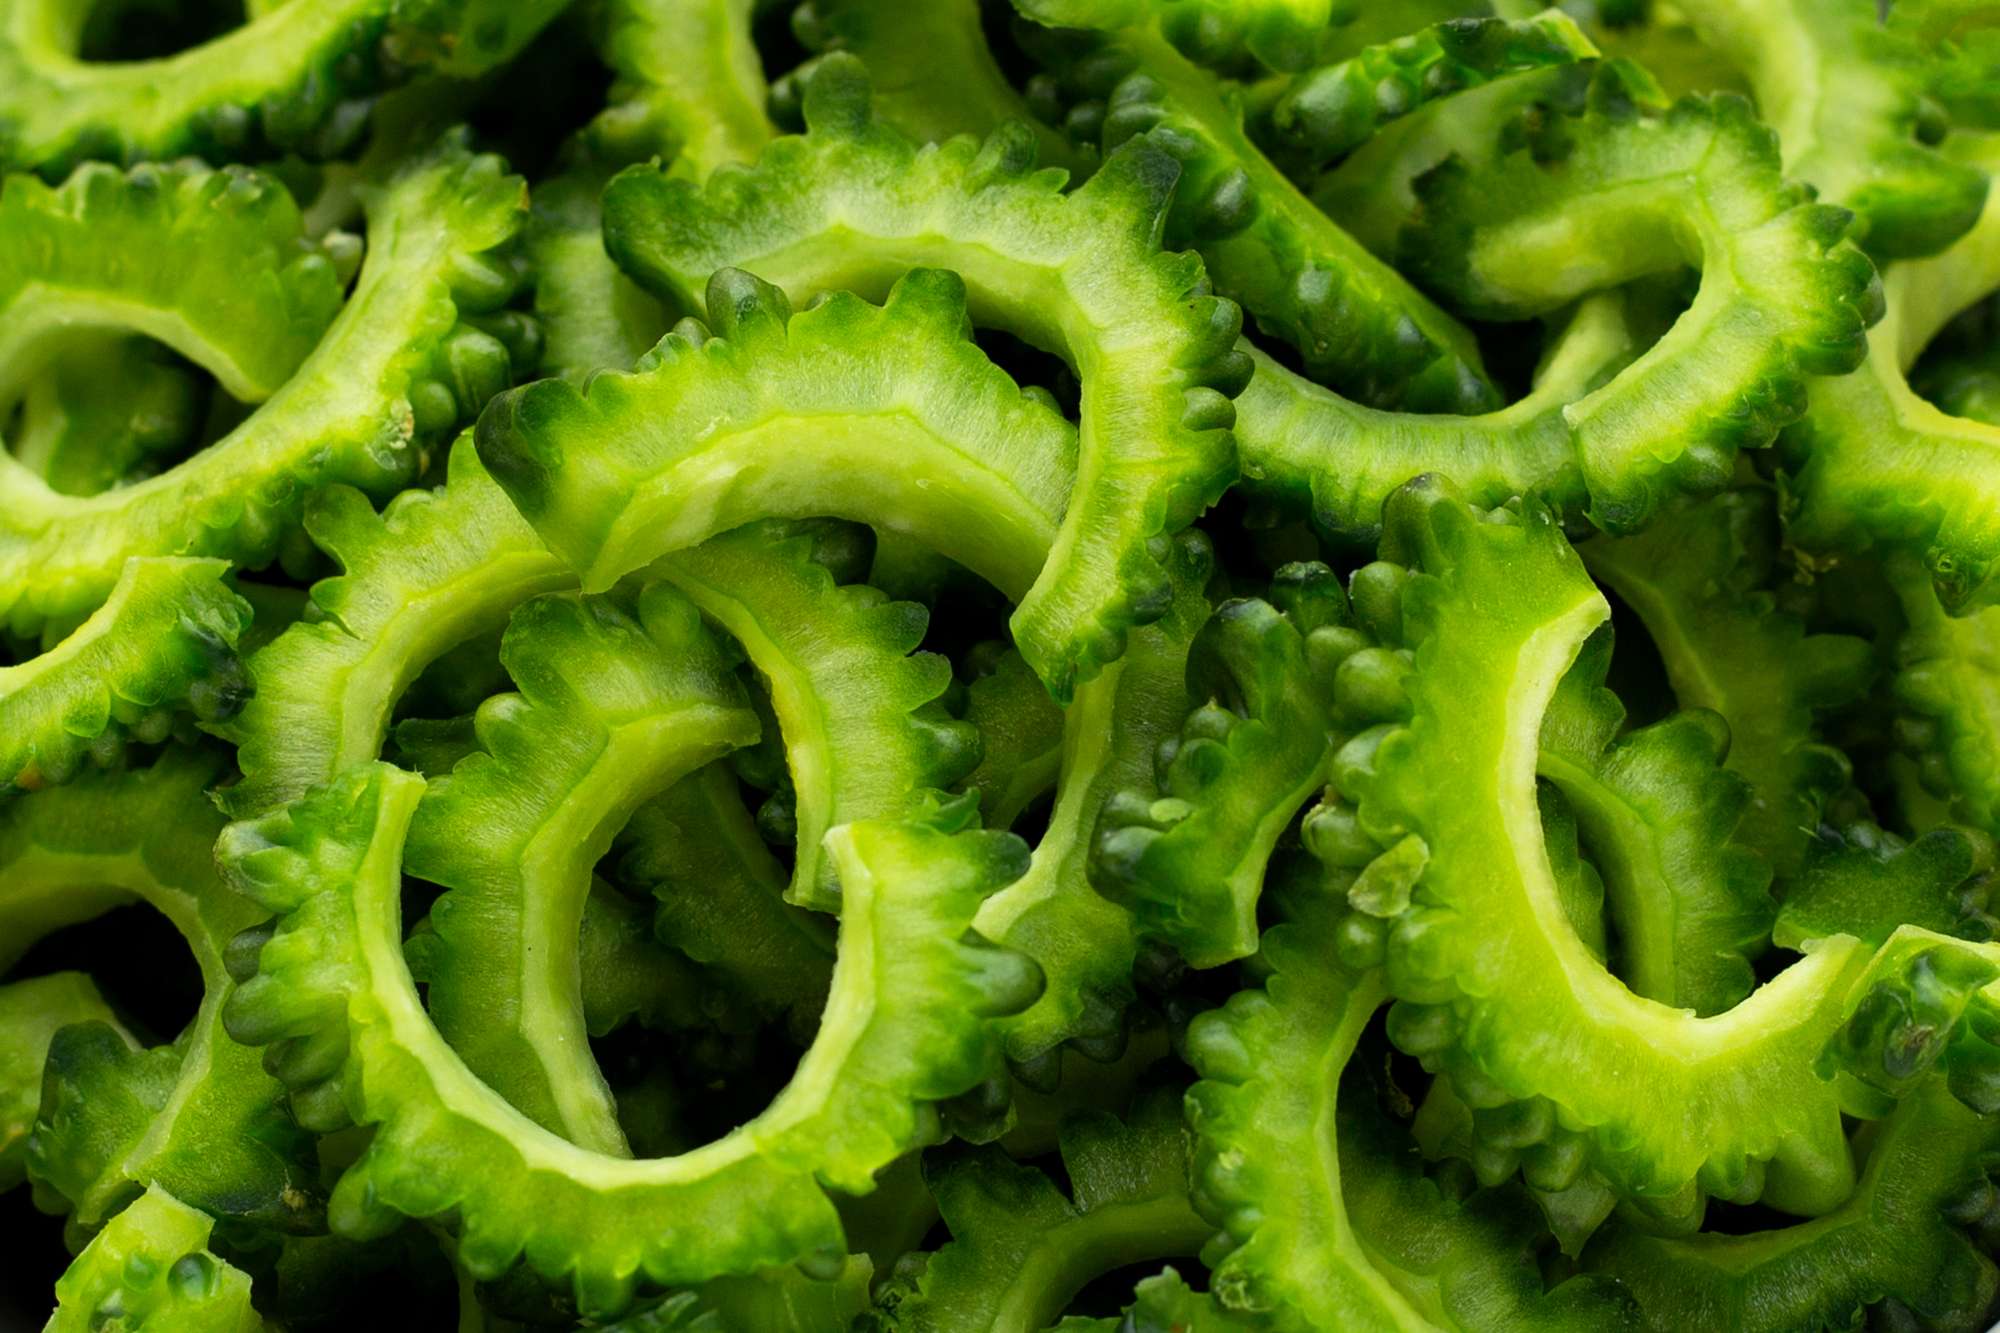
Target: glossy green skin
<point x="1281" y="33"/>
<point x="1900" y="1236"/>
<point x="1021" y="1249"/>
<point x="151" y="1269"/>
<point x="1846" y="94"/>
<point x="1782" y="297"/>
<point x="33" y="1010"/>
<point x="387" y="381"/>
<point x="1947" y="682"/>
<point x="904" y="1027"/>
<point x="852" y="205"/>
<point x="200" y="1116"/>
<point x="271" y="84"/>
<point x="165" y="643"/>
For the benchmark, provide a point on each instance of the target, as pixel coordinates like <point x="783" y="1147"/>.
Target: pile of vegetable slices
<point x="1128" y="666"/>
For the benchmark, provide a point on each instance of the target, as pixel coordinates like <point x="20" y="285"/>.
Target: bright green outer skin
<point x="31" y="1012"/>
<point x="1873" y="464"/>
<point x="786" y="415"/>
<point x="150" y="1269"/>
<point x="1281" y="33"/>
<point x="248" y="299"/>
<point x="688" y="83"/>
<point x="1311" y="450"/>
<point x="1782" y="296"/>
<point x="1948" y="682"/>
<point x="1164" y="1303"/>
<point x="1894" y="1238"/>
<point x="1497" y="980"/>
<point x="1869" y="883"/>
<point x="592" y="316"/>
<point x="1312" y="120"/>
<point x="1690" y="903"/>
<point x="854" y="205"/>
<point x="904" y="1027"/>
<point x="269" y="84"/>
<point x="612" y="709"/>
<point x="201" y="1118"/>
<point x="720" y="896"/>
<point x="105" y="412"/>
<point x="1702" y="581"/>
<point x="934" y="76"/>
<point x="1844" y="91"/>
<point x="387" y="380"/>
<point x="864" y="735"/>
<point x="1020" y="1251"/>
<point x="1357" y="323"/>
<point x="1085" y="944"/>
<point x="165" y="642"/>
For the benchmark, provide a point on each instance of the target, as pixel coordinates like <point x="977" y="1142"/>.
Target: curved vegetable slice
<point x="1282" y="684"/>
<point x="1310" y="450"/>
<point x="1873" y="464"/>
<point x="1020" y="1250"/>
<point x="1690" y="903"/>
<point x="1704" y="581"/>
<point x="1356" y="322"/>
<point x="32" y="1011"/>
<point x="1281" y="33"/>
<point x="782" y="415"/>
<point x="272" y="84"/>
<point x="865" y="737"/>
<point x="151" y="1268"/>
<point x="905" y="1026"/>
<point x="1021" y="738"/>
<point x="391" y="377"/>
<point x="1494" y="985"/>
<point x="111" y="410"/>
<point x="851" y="204"/>
<point x="199" y="1116"/>
<point x="165" y="643"/>
<point x="248" y="299"/>
<point x="688" y="84"/>
<point x="1865" y="882"/>
<point x="614" y="707"/>
<point x="1948" y="682"/>
<point x="1782" y="296"/>
<point x="1084" y="943"/>
<point x="1900" y="1238"/>
<point x="1847" y="95"/>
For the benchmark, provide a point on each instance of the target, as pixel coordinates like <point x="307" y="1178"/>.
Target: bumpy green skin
<point x="1874" y="465"/>
<point x="165" y="643"/>
<point x="933" y="74"/>
<point x="434" y="569"/>
<point x="1279" y="685"/>
<point x="852" y="204"/>
<point x="1308" y="450"/>
<point x="1356" y="322"/>
<point x="112" y="410"/>
<point x="1323" y="114"/>
<point x="1495" y="987"/>
<point x="1947" y="683"/>
<point x="1690" y="903"/>
<point x="151" y="1269"/>
<point x="1020" y="1250"/>
<point x="32" y="1011"/>
<point x="1084" y="943"/>
<point x="687" y="84"/>
<point x="720" y="897"/>
<point x="1847" y="96"/>
<point x="1164" y="1303"/>
<point x="592" y="317"/>
<point x="864" y="734"/>
<point x="1281" y="33"/>
<point x="200" y="1116"/>
<point x="389" y="380"/>
<point x="1901" y="1237"/>
<point x="269" y="86"/>
<point x="1865" y="882"/>
<point x="1782" y="295"/>
<point x="614" y="706"/>
<point x="1703" y="580"/>
<point x="782" y="415"/>
<point x="905" y="1027"/>
<point x="248" y="300"/>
